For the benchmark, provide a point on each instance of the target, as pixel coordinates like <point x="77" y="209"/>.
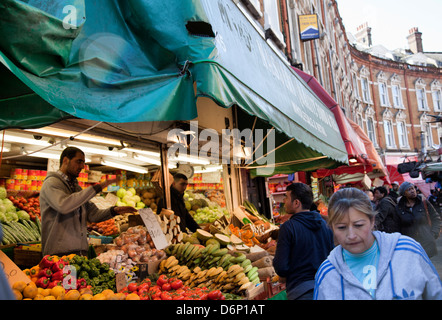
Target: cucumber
<point x="29" y="224"/>
<point x="38" y="223"/>
<point x="24" y="231"/>
<point x="8" y="236"/>
<point x="16" y="232"/>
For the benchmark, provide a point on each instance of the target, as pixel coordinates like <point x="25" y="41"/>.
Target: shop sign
<point x="308" y="25"/>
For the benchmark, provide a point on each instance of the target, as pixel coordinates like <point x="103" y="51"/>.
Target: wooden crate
<point x="27" y="258"/>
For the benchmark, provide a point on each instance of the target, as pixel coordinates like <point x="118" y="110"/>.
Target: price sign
<point x="153" y="227"/>
<point x="12" y="272"/>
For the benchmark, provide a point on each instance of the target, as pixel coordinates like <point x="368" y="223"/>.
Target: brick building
<point x="393" y="95"/>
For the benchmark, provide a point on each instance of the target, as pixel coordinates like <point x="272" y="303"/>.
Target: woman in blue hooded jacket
<point x="371" y="265"/>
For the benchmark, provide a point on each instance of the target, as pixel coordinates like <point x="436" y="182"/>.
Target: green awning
<point x="138" y="60"/>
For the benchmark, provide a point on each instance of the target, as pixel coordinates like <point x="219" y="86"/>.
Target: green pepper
<point x="84" y="274"/>
<point x="76" y="266"/>
<point x="105" y="267"/>
<point x="85" y="267"/>
<point x="96" y="281"/>
<point x="111" y="273"/>
<point x="111" y="284"/>
<point x="94" y="272"/>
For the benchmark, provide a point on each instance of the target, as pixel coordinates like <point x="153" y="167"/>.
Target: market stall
<point x="188" y="64"/>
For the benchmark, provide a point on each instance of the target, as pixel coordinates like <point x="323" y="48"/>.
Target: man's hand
<point x="106" y="183"/>
<point x="124" y="209"/>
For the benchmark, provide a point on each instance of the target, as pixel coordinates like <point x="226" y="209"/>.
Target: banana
<point x="220" y="252"/>
<point x="251" y="271"/>
<point x="253" y="276"/>
<point x="239" y="257"/>
<point x="202" y="274"/>
<point x="245" y="286"/>
<point x="225" y="260"/>
<point x="207" y="248"/>
<point x="234" y="270"/>
<point x="243" y="281"/>
<point x="239" y="277"/>
<point x="197" y="253"/>
<point x="245" y="263"/>
<point x="196" y="270"/>
<point x="169" y="261"/>
<point x="179" y="250"/>
<point x="229" y="286"/>
<point x="174" y="249"/>
<point x="248" y="268"/>
<point x="215" y="271"/>
<point x="213" y="260"/>
<point x="181" y="269"/>
<point x="221" y="276"/>
<point x="186" y="246"/>
<point x="212" y="249"/>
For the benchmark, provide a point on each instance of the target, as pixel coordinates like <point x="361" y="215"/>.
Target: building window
<point x="355" y="85"/>
<point x="365" y="90"/>
<point x="383" y="94"/>
<point x="402" y="134"/>
<point x="370" y="130"/>
<point x="437" y="96"/>
<point x="389" y="137"/>
<point x="397" y="98"/>
<point x="428" y="137"/>
<point x="421" y="95"/>
<point x="272" y="24"/>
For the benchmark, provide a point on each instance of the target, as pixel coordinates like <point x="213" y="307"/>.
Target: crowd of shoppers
<point x="379" y="236"/>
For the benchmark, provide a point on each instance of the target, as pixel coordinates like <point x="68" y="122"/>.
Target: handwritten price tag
<point x="153" y="227"/>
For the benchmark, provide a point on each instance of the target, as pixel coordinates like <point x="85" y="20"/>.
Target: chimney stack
<point x="415" y="40"/>
<point x="363" y="34"/>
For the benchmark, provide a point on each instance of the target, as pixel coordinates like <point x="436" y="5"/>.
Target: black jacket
<point x="387" y="219"/>
<point x="179" y="209"/>
<point x="304" y="242"/>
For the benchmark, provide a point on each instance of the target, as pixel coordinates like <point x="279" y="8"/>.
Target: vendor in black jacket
<point x="177" y="189"/>
<point x="304" y="242"/>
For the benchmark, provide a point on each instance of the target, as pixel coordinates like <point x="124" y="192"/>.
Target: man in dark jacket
<point x="304" y="242"/>
<point x="419" y="220"/>
<point x="177" y="189"/>
<point x="387" y="219"/>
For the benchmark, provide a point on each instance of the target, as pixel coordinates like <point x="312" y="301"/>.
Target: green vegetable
<point x="22" y="214"/>
<point x="3" y="193"/>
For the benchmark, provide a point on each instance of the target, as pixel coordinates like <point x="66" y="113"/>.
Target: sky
<point x="391" y="20"/>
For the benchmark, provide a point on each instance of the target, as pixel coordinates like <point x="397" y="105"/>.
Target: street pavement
<point x="437" y="259"/>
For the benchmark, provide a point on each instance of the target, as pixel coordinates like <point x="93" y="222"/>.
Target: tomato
<point x="178" y="297"/>
<point x="166" y="287"/>
<point x="132" y="287"/>
<point x="177" y="284"/>
<point x="214" y="295"/>
<point x="147" y="282"/>
<point x="162" y="280"/>
<point x="165" y="296"/>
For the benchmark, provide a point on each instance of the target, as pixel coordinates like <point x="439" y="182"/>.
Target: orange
<point x="17" y="294"/>
<point x="30" y="291"/>
<point x="86" y="296"/>
<point x="132" y="296"/>
<point x="58" y="292"/>
<point x="108" y="293"/>
<point x="72" y="295"/>
<point x="19" y="285"/>
<point x="99" y="296"/>
<point x="49" y="298"/>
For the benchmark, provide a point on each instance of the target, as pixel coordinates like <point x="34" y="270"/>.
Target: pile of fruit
<point x="169" y="288"/>
<point x="202" y="209"/>
<point x="105" y="228"/>
<point x="212" y="265"/>
<point x="56" y="271"/>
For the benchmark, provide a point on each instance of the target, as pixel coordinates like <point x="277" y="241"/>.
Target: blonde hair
<point x="344" y="199"/>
